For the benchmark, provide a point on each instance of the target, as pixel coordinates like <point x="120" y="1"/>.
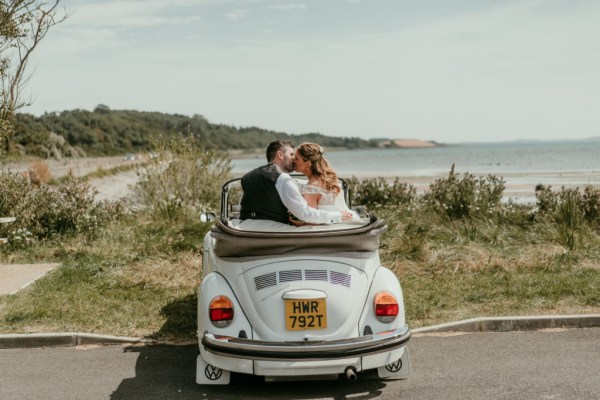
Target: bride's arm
<point x="311" y="195"/>
<point x="312" y="199"/>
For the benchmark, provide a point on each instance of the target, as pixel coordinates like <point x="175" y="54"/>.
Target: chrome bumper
<point x="228" y="346"/>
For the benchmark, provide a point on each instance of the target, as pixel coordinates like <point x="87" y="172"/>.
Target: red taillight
<point x="220" y="311"/>
<point x="386" y="310"/>
<point x="221" y="314"/>
<point x="386" y="306"/>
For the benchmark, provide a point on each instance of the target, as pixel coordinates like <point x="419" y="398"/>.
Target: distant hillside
<point x="105" y="132"/>
<point x="406" y="143"/>
<point x="413" y="143"/>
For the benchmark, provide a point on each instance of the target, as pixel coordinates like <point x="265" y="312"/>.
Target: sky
<point x="450" y="71"/>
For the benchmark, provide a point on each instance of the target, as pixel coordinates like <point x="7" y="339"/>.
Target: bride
<point x="322" y="190"/>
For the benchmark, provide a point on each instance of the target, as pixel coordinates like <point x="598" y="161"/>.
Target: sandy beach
<point x="520" y="187"/>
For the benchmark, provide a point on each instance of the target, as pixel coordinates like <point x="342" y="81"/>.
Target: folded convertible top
<point x="249" y="238"/>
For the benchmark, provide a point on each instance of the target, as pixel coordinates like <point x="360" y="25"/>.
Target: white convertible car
<point x="291" y="303"/>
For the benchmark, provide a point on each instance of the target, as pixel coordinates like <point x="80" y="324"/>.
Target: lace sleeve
<point x="310" y="189"/>
<point x="340" y="201"/>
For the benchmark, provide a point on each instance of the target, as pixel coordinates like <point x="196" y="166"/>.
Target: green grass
<point x="497" y="292"/>
<point x="138" y="276"/>
<point x="459" y="269"/>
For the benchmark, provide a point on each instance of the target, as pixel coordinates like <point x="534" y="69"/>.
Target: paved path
<point x="14" y="277"/>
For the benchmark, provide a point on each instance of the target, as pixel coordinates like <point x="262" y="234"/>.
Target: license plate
<point x="305" y="314"/>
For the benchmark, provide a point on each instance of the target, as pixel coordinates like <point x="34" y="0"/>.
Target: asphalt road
<point x="553" y="364"/>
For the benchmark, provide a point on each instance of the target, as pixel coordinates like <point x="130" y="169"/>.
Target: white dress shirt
<point x="290" y="196"/>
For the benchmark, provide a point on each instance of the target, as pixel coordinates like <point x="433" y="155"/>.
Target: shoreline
<point x="519" y="187"/>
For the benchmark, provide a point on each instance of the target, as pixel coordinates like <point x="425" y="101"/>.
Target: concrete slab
<point x="14" y="277"/>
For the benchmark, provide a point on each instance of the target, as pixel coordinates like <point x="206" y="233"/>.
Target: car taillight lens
<point x="220" y="311"/>
<point x="386" y="306"/>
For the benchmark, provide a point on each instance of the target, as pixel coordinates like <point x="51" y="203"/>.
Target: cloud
<point x="237" y="14"/>
<point x="288" y="7"/>
<point x="113" y="25"/>
<point x="128" y="14"/>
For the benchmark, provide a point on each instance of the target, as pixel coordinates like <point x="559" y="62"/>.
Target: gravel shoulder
<point x="116" y="186"/>
<point x="112" y="187"/>
<point x="76" y="166"/>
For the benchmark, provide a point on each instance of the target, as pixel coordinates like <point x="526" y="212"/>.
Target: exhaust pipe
<point x="350" y="373"/>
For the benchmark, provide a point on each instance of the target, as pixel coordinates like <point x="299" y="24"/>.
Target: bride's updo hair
<point x="319" y="166"/>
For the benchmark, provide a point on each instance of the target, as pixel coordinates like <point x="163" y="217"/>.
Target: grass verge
<point x="454" y="270"/>
<point x="138" y="277"/>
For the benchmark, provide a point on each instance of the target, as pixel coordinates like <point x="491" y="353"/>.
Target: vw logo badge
<point x="394" y="367"/>
<point x="213" y="373"/>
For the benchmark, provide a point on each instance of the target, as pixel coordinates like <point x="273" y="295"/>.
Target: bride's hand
<point x="346" y="215"/>
<point x="295" y="221"/>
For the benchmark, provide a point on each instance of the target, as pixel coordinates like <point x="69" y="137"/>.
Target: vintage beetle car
<point x="289" y="302"/>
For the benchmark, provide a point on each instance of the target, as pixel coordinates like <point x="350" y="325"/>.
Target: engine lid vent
<point x="266" y="280"/>
<point x="273" y="278"/>
<point x="339" y="278"/>
<point x="315" y="275"/>
<point x="289" y="276"/>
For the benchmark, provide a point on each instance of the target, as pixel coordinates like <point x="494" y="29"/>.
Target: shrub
<point x="373" y="192"/>
<point x="546" y="200"/>
<point x="44" y="212"/>
<point x="184" y="178"/>
<point x="39" y="173"/>
<point x="568" y="210"/>
<point x="569" y="216"/>
<point x="465" y="197"/>
<point x="590" y="204"/>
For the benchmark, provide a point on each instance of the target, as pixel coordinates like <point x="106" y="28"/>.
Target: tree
<point x="23" y="25"/>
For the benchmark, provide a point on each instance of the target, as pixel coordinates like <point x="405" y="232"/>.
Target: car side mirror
<point x="207" y="216"/>
<point x="361" y="211"/>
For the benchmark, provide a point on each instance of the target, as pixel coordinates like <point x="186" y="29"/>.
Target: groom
<point x="269" y="191"/>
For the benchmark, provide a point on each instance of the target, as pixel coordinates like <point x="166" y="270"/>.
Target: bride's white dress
<point x="329" y="201"/>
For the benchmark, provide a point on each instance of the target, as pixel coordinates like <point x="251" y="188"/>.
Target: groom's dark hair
<point x="275" y="146"/>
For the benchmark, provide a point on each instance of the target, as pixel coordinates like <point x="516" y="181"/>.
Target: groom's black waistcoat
<point x="260" y="199"/>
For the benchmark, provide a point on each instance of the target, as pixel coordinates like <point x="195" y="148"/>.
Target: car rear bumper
<point x="308" y="350"/>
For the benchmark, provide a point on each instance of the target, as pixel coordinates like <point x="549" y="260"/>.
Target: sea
<point x="522" y="165"/>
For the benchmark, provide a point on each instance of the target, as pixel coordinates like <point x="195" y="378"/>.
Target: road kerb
<point x="485" y="324"/>
<point x="89" y="338"/>
<point x="67" y="339"/>
<point x="508" y="324"/>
